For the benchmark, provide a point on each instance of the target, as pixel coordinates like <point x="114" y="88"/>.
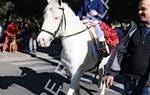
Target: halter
<point x="59" y="26"/>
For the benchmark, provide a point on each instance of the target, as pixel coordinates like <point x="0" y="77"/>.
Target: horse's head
<point x="52" y="25"/>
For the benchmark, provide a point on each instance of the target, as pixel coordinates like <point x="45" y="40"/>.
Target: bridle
<point x="63" y="18"/>
<point x="59" y="26"/>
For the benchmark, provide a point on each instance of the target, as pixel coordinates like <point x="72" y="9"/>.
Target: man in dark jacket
<point x="136" y="61"/>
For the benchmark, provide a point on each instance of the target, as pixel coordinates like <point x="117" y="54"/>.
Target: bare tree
<point x="6" y="6"/>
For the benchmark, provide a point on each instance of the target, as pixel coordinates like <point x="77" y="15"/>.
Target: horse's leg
<point x="78" y="90"/>
<point x="75" y="80"/>
<point x="104" y="61"/>
<point x="101" y="81"/>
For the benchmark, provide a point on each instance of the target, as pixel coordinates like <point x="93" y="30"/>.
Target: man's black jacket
<point x="132" y="53"/>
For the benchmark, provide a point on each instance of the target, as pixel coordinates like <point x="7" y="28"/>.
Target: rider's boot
<point x="102" y="49"/>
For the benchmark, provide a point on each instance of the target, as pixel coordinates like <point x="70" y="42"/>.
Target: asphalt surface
<point x="23" y="74"/>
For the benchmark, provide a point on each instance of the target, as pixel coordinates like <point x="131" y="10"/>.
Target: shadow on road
<point x="53" y="50"/>
<point x="39" y="83"/>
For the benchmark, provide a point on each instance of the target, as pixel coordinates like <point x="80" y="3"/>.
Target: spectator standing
<point x="116" y="25"/>
<point x="34" y="28"/>
<point x="1" y="30"/>
<point x="11" y="30"/>
<point x="26" y="33"/>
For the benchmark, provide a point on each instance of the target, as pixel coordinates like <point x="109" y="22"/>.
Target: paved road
<point x="39" y="76"/>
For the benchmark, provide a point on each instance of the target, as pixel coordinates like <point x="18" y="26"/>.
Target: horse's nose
<point x="38" y="43"/>
<point x="41" y="42"/>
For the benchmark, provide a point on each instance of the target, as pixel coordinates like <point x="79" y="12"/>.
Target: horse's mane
<point x="71" y="16"/>
<point x="76" y="19"/>
<point x="65" y="5"/>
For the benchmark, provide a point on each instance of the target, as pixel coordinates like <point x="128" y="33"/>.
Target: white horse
<point x="79" y="52"/>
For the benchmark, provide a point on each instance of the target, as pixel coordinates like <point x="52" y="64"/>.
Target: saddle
<point x="101" y="47"/>
<point x="110" y="35"/>
<point x="91" y="30"/>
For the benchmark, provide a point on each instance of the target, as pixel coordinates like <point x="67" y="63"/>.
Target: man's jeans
<point x="146" y="91"/>
<point x="129" y="85"/>
<point x="133" y="87"/>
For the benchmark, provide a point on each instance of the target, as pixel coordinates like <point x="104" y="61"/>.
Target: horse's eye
<point x="56" y="18"/>
<point x="50" y="8"/>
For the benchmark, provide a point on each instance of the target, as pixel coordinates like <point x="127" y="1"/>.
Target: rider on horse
<point x="89" y="12"/>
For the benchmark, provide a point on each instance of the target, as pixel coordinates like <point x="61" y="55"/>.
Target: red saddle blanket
<point x="110" y="34"/>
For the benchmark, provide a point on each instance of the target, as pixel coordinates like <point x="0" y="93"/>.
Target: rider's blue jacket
<point x="89" y="5"/>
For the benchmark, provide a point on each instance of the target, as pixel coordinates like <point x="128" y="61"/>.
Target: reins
<point x="60" y="26"/>
<point x="75" y="33"/>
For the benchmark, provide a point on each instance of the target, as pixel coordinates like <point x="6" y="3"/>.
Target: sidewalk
<point x="10" y="62"/>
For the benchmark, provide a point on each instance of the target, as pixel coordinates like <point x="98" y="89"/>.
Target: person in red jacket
<point x="11" y="30"/>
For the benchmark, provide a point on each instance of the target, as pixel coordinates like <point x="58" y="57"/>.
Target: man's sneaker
<point x="102" y="49"/>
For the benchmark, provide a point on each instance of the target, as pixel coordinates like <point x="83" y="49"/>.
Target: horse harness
<point x="59" y="26"/>
<point x="63" y="19"/>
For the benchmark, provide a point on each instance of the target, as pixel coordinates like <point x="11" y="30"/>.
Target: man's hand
<point x="109" y="80"/>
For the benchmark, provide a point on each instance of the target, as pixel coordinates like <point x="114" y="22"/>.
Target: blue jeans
<point x="99" y="32"/>
<point x="146" y="91"/>
<point x="129" y="85"/>
<point x="134" y="87"/>
<point x="32" y="44"/>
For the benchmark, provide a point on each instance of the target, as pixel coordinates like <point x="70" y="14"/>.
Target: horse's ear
<point x="52" y="1"/>
<point x="48" y="1"/>
<point x="60" y="1"/>
<point x="55" y="1"/>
